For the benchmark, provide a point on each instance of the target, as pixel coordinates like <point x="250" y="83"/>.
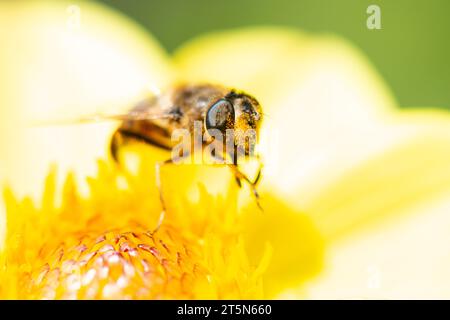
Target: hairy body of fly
<point x="216" y="107"/>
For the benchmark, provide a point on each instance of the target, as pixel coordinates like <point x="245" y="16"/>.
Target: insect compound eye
<point x="219" y="115"/>
<point x="248" y="108"/>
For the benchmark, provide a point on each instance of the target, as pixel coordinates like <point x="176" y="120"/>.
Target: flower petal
<point x="61" y="61"/>
<point x="391" y="182"/>
<point x="404" y="257"/>
<point x="296" y="244"/>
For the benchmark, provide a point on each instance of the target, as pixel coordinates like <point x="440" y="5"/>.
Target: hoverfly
<point x="219" y="109"/>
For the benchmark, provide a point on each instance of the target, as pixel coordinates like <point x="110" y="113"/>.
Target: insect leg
<point x="239" y="175"/>
<point x="235" y="162"/>
<point x="116" y="142"/>
<point x="158" y="166"/>
<point x="259" y="173"/>
<point x="238" y="181"/>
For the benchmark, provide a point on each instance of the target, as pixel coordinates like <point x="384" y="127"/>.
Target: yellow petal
<point x="389" y="217"/>
<point x="395" y="180"/>
<point x="296" y="246"/>
<point x="61" y="60"/>
<point x="402" y="259"/>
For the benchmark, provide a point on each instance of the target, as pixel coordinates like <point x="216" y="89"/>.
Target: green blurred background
<point x="411" y="51"/>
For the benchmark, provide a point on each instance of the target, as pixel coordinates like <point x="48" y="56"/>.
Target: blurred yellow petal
<point x="296" y="244"/>
<point x="399" y="178"/>
<point x="403" y="257"/>
<point x="61" y="60"/>
<point x="389" y="217"/>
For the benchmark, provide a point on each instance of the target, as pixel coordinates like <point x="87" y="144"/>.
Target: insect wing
<point x="134" y="115"/>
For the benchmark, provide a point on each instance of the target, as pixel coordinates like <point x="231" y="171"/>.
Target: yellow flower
<point x="347" y="173"/>
<point x="103" y="246"/>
